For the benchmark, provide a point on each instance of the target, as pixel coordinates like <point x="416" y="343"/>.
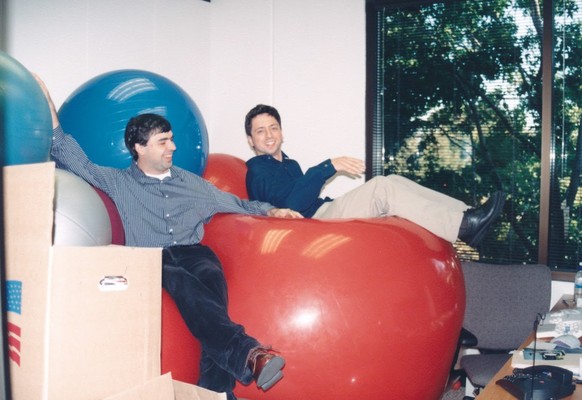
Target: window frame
<point x="373" y="118"/>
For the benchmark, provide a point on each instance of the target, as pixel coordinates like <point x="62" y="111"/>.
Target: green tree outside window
<point x="461" y="94"/>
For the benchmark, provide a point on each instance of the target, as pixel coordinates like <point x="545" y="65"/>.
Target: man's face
<point x="156" y="156"/>
<point x="266" y="136"/>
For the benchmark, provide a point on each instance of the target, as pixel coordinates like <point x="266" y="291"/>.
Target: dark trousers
<point x="193" y="276"/>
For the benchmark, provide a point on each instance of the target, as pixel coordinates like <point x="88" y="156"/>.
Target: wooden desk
<point x="495" y="392"/>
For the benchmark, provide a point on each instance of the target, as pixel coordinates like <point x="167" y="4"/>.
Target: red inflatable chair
<point x="360" y="309"/>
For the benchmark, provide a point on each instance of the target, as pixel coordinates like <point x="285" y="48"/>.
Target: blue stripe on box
<point x="14" y="296"/>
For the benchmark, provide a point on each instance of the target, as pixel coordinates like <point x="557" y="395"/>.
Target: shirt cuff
<point x="58" y="132"/>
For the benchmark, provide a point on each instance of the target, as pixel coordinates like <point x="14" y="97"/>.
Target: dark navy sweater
<point x="284" y="185"/>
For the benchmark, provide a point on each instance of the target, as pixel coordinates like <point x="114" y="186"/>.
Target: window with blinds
<point x="456" y="101"/>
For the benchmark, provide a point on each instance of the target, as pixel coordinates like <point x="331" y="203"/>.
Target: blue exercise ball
<point x="98" y="111"/>
<point x="25" y="118"/>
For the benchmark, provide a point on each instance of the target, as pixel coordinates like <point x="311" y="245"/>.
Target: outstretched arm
<point x="284" y="185"/>
<point x="67" y="153"/>
<point x="49" y="101"/>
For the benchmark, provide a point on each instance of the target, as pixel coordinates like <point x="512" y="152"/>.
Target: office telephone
<point x="542" y="382"/>
<point x="564" y="322"/>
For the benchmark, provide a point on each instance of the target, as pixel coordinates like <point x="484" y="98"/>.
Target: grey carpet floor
<point x="454" y="394"/>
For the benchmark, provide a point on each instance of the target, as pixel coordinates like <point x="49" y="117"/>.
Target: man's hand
<point x="283" y="213"/>
<point x="49" y="100"/>
<point x="349" y="165"/>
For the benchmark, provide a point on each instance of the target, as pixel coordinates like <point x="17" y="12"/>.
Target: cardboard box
<point x="83" y="322"/>
<point x="164" y="388"/>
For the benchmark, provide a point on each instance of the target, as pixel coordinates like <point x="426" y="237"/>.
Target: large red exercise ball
<point x="360" y="309"/>
<point x="81" y="218"/>
<point x="181" y="351"/>
<point x="98" y="111"/>
<point x="25" y="119"/>
<point x="227" y="173"/>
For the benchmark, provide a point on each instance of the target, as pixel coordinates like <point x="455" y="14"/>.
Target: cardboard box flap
<point x="29" y="192"/>
<point x="155" y="389"/>
<point x="184" y="391"/>
<point x="164" y="388"/>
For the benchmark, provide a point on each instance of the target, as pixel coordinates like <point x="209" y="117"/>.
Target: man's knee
<point x="381" y="181"/>
<point x="389" y="180"/>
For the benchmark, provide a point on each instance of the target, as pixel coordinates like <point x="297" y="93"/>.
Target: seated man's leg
<point x="194" y="278"/>
<point x="395" y="195"/>
<point x="211" y="375"/>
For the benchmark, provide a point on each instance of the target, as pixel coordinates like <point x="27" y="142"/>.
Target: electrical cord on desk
<point x="539" y="318"/>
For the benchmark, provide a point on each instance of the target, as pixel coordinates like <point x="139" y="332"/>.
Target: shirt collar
<point x="270" y="157"/>
<point x="140" y="176"/>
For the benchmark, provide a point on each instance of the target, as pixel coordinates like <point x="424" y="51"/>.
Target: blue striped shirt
<point x="155" y="213"/>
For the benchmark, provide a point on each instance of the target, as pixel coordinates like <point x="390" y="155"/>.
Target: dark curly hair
<point x="140" y="129"/>
<point x="258" y="110"/>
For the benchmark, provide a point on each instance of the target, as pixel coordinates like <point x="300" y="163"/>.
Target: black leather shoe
<point x="477" y="221"/>
<point x="266" y="367"/>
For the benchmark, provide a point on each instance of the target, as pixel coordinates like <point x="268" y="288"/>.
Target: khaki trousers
<point x="394" y="195"/>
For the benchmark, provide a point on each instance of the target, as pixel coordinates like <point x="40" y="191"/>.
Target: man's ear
<point x="139" y="149"/>
<point x="250" y="141"/>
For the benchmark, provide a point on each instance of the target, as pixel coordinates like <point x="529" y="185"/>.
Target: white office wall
<point x="306" y="58"/>
<point x="67" y="42"/>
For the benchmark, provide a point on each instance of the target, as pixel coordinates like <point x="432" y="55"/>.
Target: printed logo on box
<point x="14" y="306"/>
